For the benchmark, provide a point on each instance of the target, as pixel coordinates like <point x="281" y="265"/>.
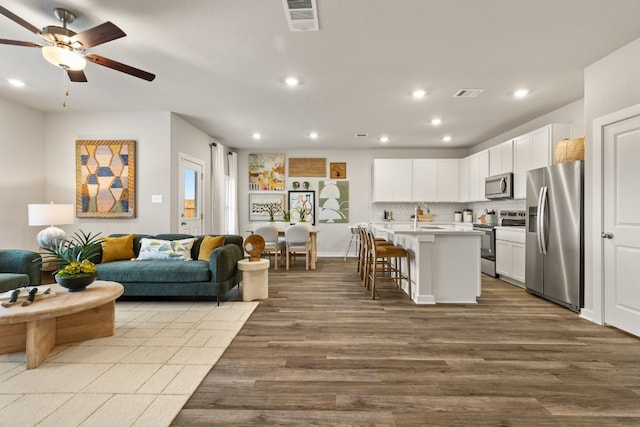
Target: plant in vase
<point x="285" y="216"/>
<point x="75" y="258"/>
<point x="272" y="212"/>
<point x="303" y="213"/>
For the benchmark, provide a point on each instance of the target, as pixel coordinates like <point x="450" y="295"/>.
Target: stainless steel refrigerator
<point x="554" y="240"/>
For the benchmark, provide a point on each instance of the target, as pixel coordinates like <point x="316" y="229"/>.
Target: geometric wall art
<point x="333" y="202"/>
<point x="105" y="179"/>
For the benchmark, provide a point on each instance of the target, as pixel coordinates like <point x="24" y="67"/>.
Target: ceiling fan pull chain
<point x="66" y="88"/>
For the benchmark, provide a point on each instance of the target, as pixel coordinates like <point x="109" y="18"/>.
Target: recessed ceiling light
<point x="521" y="93"/>
<point x="16" y="82"/>
<point x="256" y="135"/>
<point x="384" y="139"/>
<point x="292" y="81"/>
<point x="436" y="121"/>
<point x="313" y="135"/>
<point x="446" y="138"/>
<point x="419" y="93"/>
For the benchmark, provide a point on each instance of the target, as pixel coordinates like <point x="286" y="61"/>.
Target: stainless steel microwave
<point x="499" y="186"/>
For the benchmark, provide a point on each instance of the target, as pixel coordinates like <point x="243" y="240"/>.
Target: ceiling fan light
<point x="64" y="58"/>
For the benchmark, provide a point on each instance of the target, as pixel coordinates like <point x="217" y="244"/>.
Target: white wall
<point x="22" y="176"/>
<point x="333" y="238"/>
<point x="150" y="130"/>
<point x="611" y="84"/>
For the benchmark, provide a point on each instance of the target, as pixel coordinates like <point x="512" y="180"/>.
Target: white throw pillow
<point x="170" y="250"/>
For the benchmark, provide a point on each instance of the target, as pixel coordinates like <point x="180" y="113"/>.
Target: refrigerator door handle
<point x="541" y="218"/>
<point x="538" y="217"/>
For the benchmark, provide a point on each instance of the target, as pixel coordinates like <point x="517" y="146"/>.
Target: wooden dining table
<point x="313" y="236"/>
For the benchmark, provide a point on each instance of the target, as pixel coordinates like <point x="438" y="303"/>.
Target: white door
<point x="621" y="225"/>
<point x="191" y="215"/>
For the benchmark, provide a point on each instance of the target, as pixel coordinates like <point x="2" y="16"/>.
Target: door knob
<point x="607" y="235"/>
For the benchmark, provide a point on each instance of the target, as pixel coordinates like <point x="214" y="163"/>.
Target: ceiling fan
<point x="67" y="49"/>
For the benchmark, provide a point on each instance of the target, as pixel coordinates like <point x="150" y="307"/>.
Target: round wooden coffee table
<point x="63" y="318"/>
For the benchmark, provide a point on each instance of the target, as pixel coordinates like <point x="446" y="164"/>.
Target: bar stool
<point x="382" y="255"/>
<point x="364" y="251"/>
<point x="355" y="237"/>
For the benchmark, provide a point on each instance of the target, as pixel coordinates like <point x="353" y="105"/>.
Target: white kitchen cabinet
<point x="425" y="180"/>
<point x="534" y="150"/>
<point x="448" y="180"/>
<point x="463" y="182"/>
<point x="511" y="254"/>
<point x="501" y="158"/>
<point x="478" y="172"/>
<point x="392" y="180"/>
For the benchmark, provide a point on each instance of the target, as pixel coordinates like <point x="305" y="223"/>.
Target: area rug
<point x="141" y="376"/>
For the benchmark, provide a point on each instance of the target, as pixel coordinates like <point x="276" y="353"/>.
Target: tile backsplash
<point x="443" y="211"/>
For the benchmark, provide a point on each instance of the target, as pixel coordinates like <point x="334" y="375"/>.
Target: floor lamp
<point x="51" y="215"/>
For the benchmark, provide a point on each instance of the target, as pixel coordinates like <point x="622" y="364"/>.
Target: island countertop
<point x="423" y="228"/>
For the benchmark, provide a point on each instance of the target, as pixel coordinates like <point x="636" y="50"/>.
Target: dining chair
<point x="297" y="240"/>
<point x="272" y="245"/>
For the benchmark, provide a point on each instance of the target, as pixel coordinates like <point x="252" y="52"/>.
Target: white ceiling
<point x="220" y="64"/>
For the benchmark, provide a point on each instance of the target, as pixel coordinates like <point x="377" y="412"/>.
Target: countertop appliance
<point x="487" y="248"/>
<point x="554" y="234"/>
<point x="499" y="186"/>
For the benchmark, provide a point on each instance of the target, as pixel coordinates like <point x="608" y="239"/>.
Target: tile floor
<point x="141" y="376"/>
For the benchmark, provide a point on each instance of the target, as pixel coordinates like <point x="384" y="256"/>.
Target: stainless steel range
<point x="488" y="241"/>
<point x="487" y="248"/>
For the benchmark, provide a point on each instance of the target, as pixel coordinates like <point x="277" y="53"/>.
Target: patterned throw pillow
<point x="169" y="250"/>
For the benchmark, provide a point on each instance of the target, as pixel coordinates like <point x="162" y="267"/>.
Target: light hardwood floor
<point x="319" y="351"/>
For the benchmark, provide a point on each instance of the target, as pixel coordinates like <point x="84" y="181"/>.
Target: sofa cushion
<point x="10" y="281"/>
<point x="167" y="250"/>
<point x="117" y="248"/>
<point x="209" y="243"/>
<point x="154" y="271"/>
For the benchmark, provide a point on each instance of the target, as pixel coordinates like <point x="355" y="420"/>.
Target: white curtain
<point x="218" y="157"/>
<point x="231" y="223"/>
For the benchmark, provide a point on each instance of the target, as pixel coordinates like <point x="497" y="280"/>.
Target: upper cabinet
<point x="478" y="172"/>
<point x="425" y="180"/>
<point x="417" y="180"/>
<point x="392" y="180"/>
<point x="532" y="151"/>
<point x="501" y="158"/>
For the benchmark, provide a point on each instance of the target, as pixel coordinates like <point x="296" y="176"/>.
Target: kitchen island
<point x="445" y="261"/>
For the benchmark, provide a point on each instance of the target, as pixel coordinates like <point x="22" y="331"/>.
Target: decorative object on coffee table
<point x="254" y="246"/>
<point x="75" y="257"/>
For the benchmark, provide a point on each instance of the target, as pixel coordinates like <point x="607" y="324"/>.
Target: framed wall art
<point x="105" y="179"/>
<point x="302" y="206"/>
<point x="337" y="170"/>
<point x="333" y="202"/>
<point x="261" y="205"/>
<point x="308" y="167"/>
<point x="266" y="172"/>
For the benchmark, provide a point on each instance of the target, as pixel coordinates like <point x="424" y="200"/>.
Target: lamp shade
<point x="64" y="57"/>
<point x="51" y="214"/>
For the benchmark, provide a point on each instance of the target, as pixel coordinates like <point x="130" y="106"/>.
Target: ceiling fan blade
<point x="15" y="18"/>
<point x="118" y="66"/>
<point x="77" y="76"/>
<point x="97" y="35"/>
<point x="19" y="43"/>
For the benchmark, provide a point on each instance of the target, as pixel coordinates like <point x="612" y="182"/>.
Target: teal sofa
<point x="19" y="268"/>
<point x="191" y="279"/>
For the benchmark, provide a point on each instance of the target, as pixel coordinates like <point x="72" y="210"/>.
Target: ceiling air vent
<point x="302" y="15"/>
<point x="468" y="93"/>
<point x="361" y="135"/>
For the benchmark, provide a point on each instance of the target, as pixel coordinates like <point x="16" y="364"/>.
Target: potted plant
<point x="75" y="258"/>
